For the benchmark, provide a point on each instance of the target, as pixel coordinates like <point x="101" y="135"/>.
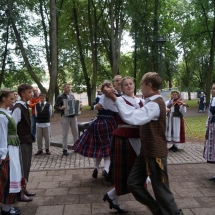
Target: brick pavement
<point x="64" y="185"/>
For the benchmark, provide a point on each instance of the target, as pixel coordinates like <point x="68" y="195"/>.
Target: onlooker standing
<point x="34" y="100"/>
<point x="43" y="112"/>
<point x="21" y="115"/>
<point x="202" y="102"/>
<point x="66" y="121"/>
<point x="10" y="169"/>
<point x="16" y="96"/>
<point x="117" y="84"/>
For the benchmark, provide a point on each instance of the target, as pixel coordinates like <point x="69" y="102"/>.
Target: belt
<point x="12" y="136"/>
<point x="127" y="126"/>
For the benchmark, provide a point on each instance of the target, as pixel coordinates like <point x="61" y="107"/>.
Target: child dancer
<point x="10" y="169"/>
<point x="96" y="140"/>
<point x="175" y="132"/>
<point x="209" y="150"/>
<point x="43" y="112"/>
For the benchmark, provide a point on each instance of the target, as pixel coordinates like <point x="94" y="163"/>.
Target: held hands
<point x="62" y="107"/>
<point x="110" y="93"/>
<point x="98" y="106"/>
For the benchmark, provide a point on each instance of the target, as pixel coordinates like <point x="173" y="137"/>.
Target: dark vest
<point x="152" y="134"/>
<point x="24" y="125"/>
<point x="43" y="116"/>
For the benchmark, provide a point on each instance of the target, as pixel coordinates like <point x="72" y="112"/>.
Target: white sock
<point x="112" y="195"/>
<point x="175" y="144"/>
<point x="98" y="161"/>
<point x="107" y="163"/>
<point x="5" y="207"/>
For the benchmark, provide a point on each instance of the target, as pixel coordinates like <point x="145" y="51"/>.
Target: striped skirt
<point x="122" y="160"/>
<point x="95" y="142"/>
<point x="5" y="196"/>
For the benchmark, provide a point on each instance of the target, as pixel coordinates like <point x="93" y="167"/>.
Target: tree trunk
<point x="87" y="79"/>
<point x="155" y="36"/>
<point x="25" y="58"/>
<point x="4" y="56"/>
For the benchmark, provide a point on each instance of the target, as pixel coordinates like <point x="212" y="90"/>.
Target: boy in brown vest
<point x="152" y="160"/>
<point x="21" y="116"/>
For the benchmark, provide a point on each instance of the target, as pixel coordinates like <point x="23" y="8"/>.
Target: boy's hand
<point x="110" y="93"/>
<point x="98" y="106"/>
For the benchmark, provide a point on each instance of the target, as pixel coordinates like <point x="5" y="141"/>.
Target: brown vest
<point x="152" y="134"/>
<point x="24" y="125"/>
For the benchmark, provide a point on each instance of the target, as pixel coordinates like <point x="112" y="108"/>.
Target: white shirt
<point x="107" y="103"/>
<point x="3" y="132"/>
<point x="131" y="115"/>
<point x="43" y="125"/>
<point x="17" y="112"/>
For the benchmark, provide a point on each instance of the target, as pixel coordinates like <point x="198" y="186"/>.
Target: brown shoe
<point x="24" y="198"/>
<point x="48" y="152"/>
<point x="39" y="153"/>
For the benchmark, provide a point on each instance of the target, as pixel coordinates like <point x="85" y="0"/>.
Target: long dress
<point x="175" y="131"/>
<point x="209" y="149"/>
<point x="10" y="169"/>
<point x="125" y="147"/>
<point x="95" y="142"/>
<point x="202" y="103"/>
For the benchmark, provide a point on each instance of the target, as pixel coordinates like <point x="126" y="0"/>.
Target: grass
<point x="195" y="125"/>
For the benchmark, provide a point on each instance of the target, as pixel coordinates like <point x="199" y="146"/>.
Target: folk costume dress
<point x="125" y="147"/>
<point x="209" y="149"/>
<point x="95" y="142"/>
<point x="175" y="122"/>
<point x="10" y="168"/>
<point x="202" y="103"/>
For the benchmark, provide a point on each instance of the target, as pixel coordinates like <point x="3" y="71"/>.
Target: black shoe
<point x="112" y="205"/>
<point x="105" y="174"/>
<point x="212" y="178"/>
<point x="65" y="152"/>
<point x="107" y="198"/>
<point x="17" y="212"/>
<point x="95" y="173"/>
<point x="173" y="148"/>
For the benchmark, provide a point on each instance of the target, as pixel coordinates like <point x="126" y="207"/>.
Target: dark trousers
<point x="164" y="201"/>
<point x="26" y="151"/>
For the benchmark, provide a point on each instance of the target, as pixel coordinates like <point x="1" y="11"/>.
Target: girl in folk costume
<point x="209" y="150"/>
<point x="10" y="168"/>
<point x="175" y="132"/>
<point x="125" y="147"/>
<point x="96" y="140"/>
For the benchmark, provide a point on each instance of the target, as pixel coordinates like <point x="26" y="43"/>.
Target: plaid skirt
<point x="5" y="196"/>
<point x="95" y="142"/>
<point x="122" y="160"/>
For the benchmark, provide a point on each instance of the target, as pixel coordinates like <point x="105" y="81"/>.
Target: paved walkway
<point x="64" y="184"/>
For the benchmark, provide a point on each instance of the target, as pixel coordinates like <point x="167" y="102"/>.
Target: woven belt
<point x="12" y="136"/>
<point x="127" y="126"/>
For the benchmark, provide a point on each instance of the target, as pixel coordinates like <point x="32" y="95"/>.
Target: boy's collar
<point x="152" y="94"/>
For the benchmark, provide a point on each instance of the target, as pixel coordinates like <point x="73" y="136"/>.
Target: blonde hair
<point x="125" y="78"/>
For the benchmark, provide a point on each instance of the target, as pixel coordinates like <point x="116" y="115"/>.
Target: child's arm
<point x="3" y="137"/>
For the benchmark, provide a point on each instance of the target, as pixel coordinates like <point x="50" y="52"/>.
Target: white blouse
<point x="3" y="132"/>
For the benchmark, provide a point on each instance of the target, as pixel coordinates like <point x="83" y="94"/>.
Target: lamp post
<point x="160" y="42"/>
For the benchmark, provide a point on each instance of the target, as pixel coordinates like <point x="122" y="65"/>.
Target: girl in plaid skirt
<point x="95" y="142"/>
<point x="10" y="169"/>
<point x="175" y="131"/>
<point x="125" y="147"/>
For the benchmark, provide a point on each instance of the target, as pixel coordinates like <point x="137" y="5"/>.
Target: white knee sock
<point x="98" y="161"/>
<point x="107" y="163"/>
<point x="5" y="207"/>
<point x="112" y="195"/>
